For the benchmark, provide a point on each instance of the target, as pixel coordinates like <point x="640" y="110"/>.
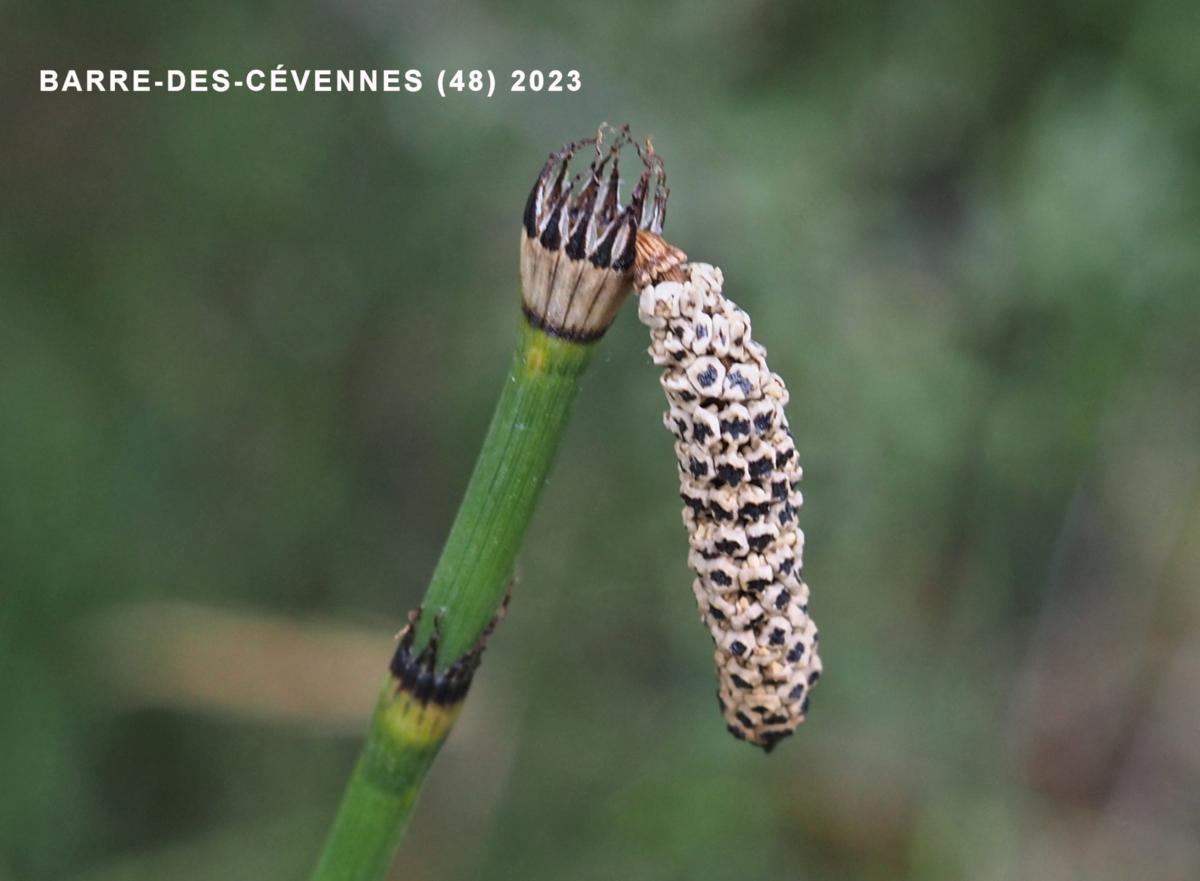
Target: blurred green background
<point x="249" y="344"/>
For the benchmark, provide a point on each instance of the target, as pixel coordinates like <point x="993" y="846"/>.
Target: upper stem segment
<point x="439" y="650"/>
<point x="472" y="576"/>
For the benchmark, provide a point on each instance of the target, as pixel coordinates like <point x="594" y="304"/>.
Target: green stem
<point x="468" y="587"/>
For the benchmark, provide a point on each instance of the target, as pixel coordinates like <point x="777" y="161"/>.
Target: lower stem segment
<point x="413" y="715"/>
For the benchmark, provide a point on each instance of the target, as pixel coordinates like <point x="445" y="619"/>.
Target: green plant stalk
<point x="468" y="588"/>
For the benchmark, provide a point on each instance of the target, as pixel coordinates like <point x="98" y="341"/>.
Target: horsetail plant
<point x="577" y="251"/>
<point x="581" y="251"/>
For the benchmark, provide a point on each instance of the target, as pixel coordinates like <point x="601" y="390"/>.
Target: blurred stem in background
<point x="577" y="256"/>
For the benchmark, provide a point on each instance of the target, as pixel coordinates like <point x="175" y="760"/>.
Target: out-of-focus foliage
<point x="249" y="344"/>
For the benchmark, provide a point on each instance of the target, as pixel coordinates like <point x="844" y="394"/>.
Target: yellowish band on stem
<point x="418" y="724"/>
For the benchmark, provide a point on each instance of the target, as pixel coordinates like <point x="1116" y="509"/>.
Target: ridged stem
<point x="468" y="588"/>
